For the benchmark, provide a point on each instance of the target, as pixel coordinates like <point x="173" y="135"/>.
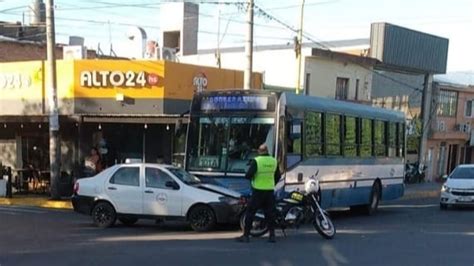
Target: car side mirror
<point x="172" y="184"/>
<point x="445" y="176"/>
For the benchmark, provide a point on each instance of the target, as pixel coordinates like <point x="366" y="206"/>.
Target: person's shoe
<point x="271" y="239"/>
<point x="242" y="239"/>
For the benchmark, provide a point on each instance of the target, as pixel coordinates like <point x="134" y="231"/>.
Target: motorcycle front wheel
<point x="325" y="227"/>
<point x="259" y="226"/>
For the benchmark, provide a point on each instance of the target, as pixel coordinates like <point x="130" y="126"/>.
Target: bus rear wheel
<point x="374" y="200"/>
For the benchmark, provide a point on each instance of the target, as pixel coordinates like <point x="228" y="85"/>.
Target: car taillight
<point x="76" y="188"/>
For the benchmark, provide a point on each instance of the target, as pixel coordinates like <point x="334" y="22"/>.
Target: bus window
<point x="392" y="139"/>
<point x="313" y="141"/>
<point x="366" y="138"/>
<point x="333" y="134"/>
<point x="350" y="145"/>
<point x="379" y="138"/>
<point x="246" y="135"/>
<point x="293" y="141"/>
<point x="209" y="148"/>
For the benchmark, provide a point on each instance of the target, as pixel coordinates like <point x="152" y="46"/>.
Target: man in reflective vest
<point x="263" y="173"/>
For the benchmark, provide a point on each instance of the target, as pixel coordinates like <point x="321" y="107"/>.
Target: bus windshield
<point x="226" y="144"/>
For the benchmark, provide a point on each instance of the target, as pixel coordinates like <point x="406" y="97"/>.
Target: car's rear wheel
<point x="201" y="218"/>
<point x="128" y="221"/>
<point x="104" y="215"/>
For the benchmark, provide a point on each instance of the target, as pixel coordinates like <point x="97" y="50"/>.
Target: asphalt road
<point x="404" y="232"/>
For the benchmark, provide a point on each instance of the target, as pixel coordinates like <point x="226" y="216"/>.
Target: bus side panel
<point x="393" y="191"/>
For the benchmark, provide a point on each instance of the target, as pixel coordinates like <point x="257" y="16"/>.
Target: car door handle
<point x="149" y="191"/>
<point x="112" y="188"/>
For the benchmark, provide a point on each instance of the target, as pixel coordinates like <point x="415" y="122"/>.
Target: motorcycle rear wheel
<point x="259" y="226"/>
<point x="325" y="228"/>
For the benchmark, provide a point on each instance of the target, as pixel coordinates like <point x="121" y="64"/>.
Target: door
<point x="158" y="199"/>
<point x="124" y="190"/>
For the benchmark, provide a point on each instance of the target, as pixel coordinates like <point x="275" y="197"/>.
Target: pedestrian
<point x="93" y="163"/>
<point x="263" y="174"/>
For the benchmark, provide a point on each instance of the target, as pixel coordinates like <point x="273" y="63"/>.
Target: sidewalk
<point x="422" y="190"/>
<point x="37" y="201"/>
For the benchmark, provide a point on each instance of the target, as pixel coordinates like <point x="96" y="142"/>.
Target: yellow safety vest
<point x="264" y="178"/>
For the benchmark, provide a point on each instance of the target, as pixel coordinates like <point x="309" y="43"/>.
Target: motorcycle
<point x="413" y="173"/>
<point x="295" y="210"/>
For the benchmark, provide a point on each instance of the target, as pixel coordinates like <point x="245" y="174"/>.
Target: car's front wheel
<point x="201" y="218"/>
<point x="104" y="215"/>
<point x="443" y="206"/>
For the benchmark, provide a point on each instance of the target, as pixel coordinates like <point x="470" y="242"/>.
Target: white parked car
<point x="129" y="192"/>
<point x="459" y="187"/>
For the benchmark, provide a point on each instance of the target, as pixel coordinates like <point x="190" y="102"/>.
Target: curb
<point x="37" y="202"/>
<point x="421" y="194"/>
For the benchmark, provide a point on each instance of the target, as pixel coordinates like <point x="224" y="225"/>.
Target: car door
<point x="158" y="199"/>
<point x="123" y="189"/>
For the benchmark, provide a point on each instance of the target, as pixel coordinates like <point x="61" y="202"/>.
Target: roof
<point x="341" y="107"/>
<point x="290" y="45"/>
<point x="464" y="78"/>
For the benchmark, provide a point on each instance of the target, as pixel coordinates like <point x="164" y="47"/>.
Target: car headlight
<point x="446" y="189"/>
<point x="229" y="200"/>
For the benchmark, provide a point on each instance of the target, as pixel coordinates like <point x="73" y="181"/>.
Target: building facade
<point x="126" y="109"/>
<point x="450" y="141"/>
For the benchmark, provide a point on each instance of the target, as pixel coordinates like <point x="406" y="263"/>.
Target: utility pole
<point x="425" y="116"/>
<point x="218" y="51"/>
<point x="249" y="47"/>
<point x="298" y="49"/>
<point x="54" y="145"/>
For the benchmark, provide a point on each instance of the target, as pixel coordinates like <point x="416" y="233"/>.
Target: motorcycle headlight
<point x="229" y="200"/>
<point x="446" y="189"/>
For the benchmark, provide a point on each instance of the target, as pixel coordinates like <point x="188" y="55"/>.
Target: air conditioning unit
<point x="168" y="54"/>
<point x="441" y="126"/>
<point x="463" y="127"/>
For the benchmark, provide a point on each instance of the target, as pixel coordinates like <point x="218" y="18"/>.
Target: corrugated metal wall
<point x="404" y="48"/>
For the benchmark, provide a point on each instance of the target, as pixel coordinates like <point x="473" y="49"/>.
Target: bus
<point x="355" y="151"/>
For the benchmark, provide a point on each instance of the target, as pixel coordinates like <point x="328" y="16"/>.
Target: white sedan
<point x="459" y="187"/>
<point x="128" y="192"/>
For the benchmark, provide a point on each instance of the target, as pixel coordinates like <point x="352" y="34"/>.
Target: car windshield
<point x="463" y="173"/>
<point x="184" y="176"/>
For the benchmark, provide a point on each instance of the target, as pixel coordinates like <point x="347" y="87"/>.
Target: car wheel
<point x="443" y="206"/>
<point x="128" y="221"/>
<point x="104" y="215"/>
<point x="201" y="218"/>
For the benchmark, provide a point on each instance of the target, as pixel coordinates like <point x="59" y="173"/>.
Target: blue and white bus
<point x="356" y="151"/>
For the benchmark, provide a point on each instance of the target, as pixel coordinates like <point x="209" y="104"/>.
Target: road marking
<point x="12" y="209"/>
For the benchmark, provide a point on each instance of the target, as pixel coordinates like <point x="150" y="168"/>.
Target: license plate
<point x="464" y="199"/>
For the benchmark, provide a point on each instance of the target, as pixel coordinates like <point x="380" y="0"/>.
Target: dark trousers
<point x="261" y="200"/>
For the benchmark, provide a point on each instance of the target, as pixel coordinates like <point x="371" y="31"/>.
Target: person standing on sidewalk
<point x="264" y="174"/>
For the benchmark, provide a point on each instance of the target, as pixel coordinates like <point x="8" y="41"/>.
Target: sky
<point x="107" y="22"/>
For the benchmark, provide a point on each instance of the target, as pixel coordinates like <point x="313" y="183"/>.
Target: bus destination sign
<point x="234" y="102"/>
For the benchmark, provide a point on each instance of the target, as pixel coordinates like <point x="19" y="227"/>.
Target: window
<point x="468" y="109"/>
<point x="156" y="178"/>
<point x="379" y="138"/>
<point x="401" y="140"/>
<point x="342" y="88"/>
<point x="307" y="82"/>
<point x="357" y="90"/>
<point x="392" y="139"/>
<point x="333" y="134"/>
<point x="366" y="138"/>
<point x="350" y="136"/>
<point x="313" y="134"/>
<point x="447" y="103"/>
<point x="127" y="176"/>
